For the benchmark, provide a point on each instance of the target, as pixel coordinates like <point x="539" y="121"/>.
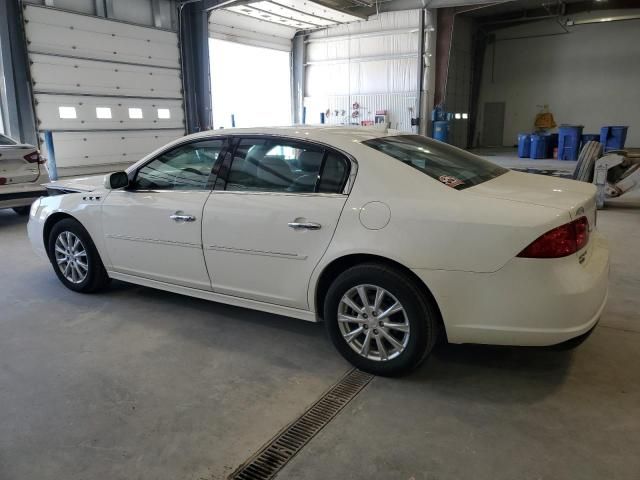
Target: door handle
<point x="179" y="216"/>
<point x="304" y="225"/>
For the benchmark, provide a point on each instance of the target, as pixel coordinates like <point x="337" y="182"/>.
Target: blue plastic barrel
<point x="613" y="137"/>
<point x="441" y="130"/>
<point x="569" y="137"/>
<point x="524" y="145"/>
<point x="538" y="146"/>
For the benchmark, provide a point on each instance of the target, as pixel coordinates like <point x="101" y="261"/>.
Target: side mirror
<point x="116" y="180"/>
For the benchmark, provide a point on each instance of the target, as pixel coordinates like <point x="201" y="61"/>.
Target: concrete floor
<point x="134" y="383"/>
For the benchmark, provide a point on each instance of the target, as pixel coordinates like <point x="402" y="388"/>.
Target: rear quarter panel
<point x="433" y="226"/>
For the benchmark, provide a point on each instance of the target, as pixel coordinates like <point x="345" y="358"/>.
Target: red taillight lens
<point x="560" y="242"/>
<point x="34" y="157"/>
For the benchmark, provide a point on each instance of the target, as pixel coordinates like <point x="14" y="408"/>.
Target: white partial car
<point x="22" y="175"/>
<point x="393" y="240"/>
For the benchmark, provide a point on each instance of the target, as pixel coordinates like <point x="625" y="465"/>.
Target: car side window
<point x="334" y="174"/>
<point x="268" y="165"/>
<point x="186" y="167"/>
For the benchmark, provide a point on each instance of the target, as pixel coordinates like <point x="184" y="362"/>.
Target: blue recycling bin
<point x="538" y="146"/>
<point x="613" y="137"/>
<point x="524" y="145"/>
<point x="569" y="137"/>
<point x="441" y="130"/>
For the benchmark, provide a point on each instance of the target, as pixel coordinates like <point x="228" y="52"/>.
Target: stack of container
<point x="535" y="145"/>
<point x="569" y="137"/>
<point x="569" y="140"/>
<point x="613" y="137"/>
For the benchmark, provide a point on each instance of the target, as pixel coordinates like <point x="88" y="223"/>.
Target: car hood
<point x="78" y="184"/>
<point x="568" y="195"/>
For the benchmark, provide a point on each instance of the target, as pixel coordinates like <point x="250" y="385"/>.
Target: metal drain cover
<point x="265" y="464"/>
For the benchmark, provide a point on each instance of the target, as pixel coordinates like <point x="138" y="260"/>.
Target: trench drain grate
<point x="265" y="464"/>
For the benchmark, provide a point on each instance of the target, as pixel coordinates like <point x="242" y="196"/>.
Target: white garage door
<point x="110" y="92"/>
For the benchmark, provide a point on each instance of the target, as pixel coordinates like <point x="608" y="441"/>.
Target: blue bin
<point x="613" y="137"/>
<point x="569" y="137"/>
<point x="524" y="145"/>
<point x="538" y="146"/>
<point x="441" y="130"/>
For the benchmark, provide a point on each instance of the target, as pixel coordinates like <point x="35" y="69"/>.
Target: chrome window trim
<point x="221" y="136"/>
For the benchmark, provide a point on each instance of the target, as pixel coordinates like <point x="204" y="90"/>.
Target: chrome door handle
<point x="304" y="225"/>
<point x="181" y="217"/>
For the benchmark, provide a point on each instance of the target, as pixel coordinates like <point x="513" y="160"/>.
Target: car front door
<point x="271" y="216"/>
<point x="153" y="228"/>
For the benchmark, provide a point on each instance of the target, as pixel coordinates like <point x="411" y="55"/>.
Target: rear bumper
<point x="527" y="302"/>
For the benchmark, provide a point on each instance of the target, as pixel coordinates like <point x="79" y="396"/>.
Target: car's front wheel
<point x="379" y="319"/>
<point x="74" y="257"/>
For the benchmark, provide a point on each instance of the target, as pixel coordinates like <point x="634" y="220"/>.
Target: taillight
<point x="34" y="157"/>
<point x="560" y="242"/>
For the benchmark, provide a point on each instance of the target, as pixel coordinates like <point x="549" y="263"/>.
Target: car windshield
<point x="452" y="166"/>
<point x="6" y="140"/>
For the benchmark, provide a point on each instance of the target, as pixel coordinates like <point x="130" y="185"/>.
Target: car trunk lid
<point x="578" y="198"/>
<point x="14" y="169"/>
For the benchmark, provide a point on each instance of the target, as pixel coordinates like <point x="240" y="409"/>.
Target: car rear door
<point x="153" y="229"/>
<point x="271" y="217"/>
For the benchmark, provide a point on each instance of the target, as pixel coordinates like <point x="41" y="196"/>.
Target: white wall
<point x="589" y="77"/>
<point x="373" y="63"/>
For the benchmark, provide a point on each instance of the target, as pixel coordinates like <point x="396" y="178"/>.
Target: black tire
<point x="422" y="316"/>
<point x="22" y="211"/>
<point x="96" y="277"/>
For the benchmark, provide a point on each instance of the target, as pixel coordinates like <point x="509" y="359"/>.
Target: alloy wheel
<point x="373" y="322"/>
<point x="71" y="257"/>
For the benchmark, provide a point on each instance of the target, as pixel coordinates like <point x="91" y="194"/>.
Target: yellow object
<point x="545" y="120"/>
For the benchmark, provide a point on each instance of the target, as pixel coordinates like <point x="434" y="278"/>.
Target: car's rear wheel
<point x="379" y="319"/>
<point x="21" y="210"/>
<point x="74" y="257"/>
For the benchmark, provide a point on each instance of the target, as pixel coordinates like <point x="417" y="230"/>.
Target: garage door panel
<point x="57" y="32"/>
<point x="84" y="152"/>
<point x="156" y="113"/>
<point x="110" y="92"/>
<point x="69" y="75"/>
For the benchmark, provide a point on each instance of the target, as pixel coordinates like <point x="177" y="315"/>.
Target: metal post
<point x="420" y="87"/>
<point x="297" y="78"/>
<point x="193" y="29"/>
<point x="51" y="155"/>
<point x="17" y="99"/>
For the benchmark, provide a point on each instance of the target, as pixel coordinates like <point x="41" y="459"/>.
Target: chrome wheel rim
<point x="373" y="323"/>
<point x="71" y="257"/>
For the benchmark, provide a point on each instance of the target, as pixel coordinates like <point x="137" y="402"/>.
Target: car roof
<point x="338" y="136"/>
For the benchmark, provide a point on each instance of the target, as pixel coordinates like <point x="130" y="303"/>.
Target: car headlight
<point x="34" y="208"/>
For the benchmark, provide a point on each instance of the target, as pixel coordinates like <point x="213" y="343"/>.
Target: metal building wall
<point x="373" y="63"/>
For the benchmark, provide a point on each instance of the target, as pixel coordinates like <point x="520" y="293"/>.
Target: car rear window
<point x="6" y="140"/>
<point x="452" y="166"/>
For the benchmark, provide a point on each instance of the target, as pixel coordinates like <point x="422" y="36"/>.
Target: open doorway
<point x="251" y="83"/>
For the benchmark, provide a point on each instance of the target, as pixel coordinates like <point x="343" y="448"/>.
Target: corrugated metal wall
<point x="373" y="63"/>
<point x="109" y="91"/>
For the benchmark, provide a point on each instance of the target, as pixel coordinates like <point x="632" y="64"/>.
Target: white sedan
<point x="22" y="175"/>
<point x="394" y="240"/>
